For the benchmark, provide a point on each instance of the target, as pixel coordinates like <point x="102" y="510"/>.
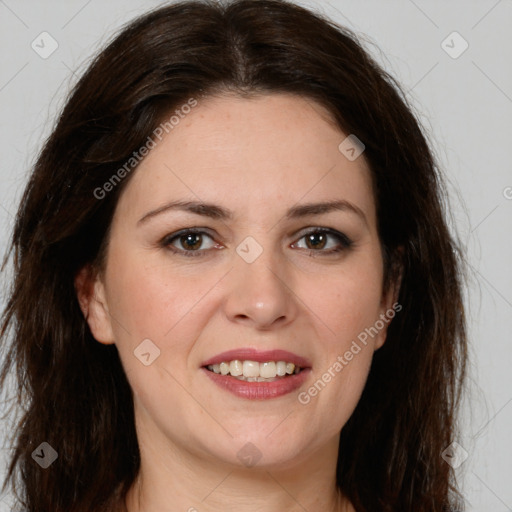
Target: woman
<point x="234" y="283"/>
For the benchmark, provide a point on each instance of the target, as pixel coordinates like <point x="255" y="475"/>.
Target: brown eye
<point x="316" y="240"/>
<point x="189" y="242"/>
<point x="324" y="241"/>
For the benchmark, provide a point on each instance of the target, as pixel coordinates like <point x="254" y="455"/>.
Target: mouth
<point x="253" y="371"/>
<point x="250" y="374"/>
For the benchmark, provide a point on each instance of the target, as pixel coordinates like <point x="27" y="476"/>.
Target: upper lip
<point x="251" y="354"/>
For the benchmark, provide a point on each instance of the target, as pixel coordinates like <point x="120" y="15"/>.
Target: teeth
<point x="281" y="368"/>
<point x="252" y="371"/>
<point x="268" y="370"/>
<point x="235" y="368"/>
<point x="224" y="368"/>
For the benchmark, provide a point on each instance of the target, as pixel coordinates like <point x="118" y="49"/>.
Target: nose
<point x="260" y="294"/>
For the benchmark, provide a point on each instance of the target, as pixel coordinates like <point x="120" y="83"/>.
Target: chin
<point x="260" y="450"/>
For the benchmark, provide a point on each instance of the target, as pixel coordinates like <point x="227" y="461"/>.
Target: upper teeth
<point x="268" y="370"/>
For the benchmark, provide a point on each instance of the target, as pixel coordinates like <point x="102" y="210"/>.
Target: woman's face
<point x="261" y="273"/>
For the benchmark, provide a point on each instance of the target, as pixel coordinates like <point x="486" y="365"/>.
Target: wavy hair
<point x="73" y="390"/>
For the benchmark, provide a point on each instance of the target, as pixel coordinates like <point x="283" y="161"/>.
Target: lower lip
<point x="259" y="390"/>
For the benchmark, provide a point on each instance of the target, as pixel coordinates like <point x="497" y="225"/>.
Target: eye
<point x="317" y="241"/>
<point x="324" y="241"/>
<point x="189" y="242"/>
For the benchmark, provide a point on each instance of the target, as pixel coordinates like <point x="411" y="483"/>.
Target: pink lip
<point x="259" y="390"/>
<point x="250" y="354"/>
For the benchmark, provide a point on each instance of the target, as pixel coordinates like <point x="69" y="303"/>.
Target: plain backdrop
<point x="461" y="87"/>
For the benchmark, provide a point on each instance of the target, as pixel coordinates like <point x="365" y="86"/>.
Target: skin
<point x="256" y="157"/>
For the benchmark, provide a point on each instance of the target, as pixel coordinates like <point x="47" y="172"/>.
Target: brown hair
<point x="74" y="389"/>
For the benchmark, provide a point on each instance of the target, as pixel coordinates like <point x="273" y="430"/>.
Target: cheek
<point x="347" y="302"/>
<point x="152" y="299"/>
<point x="347" y="307"/>
<point x="159" y="303"/>
<point x="151" y="302"/>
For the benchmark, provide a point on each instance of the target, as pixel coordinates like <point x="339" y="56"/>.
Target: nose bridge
<point x="259" y="293"/>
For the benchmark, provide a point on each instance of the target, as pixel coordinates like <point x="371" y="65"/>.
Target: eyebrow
<point x="218" y="212"/>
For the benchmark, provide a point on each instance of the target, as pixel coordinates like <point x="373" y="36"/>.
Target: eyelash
<point x="343" y="240"/>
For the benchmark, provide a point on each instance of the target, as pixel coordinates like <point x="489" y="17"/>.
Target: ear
<point x="91" y="295"/>
<point x="390" y="306"/>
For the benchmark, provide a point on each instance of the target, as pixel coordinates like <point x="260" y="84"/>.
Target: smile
<point x="255" y="375"/>
<point x="252" y="371"/>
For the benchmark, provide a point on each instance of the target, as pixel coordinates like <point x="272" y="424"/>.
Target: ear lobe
<point x="91" y="297"/>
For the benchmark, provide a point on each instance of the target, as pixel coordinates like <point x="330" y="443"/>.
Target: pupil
<point x="189" y="241"/>
<point x="311" y="240"/>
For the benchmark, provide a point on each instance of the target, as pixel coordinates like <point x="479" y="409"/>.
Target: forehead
<point x="266" y="152"/>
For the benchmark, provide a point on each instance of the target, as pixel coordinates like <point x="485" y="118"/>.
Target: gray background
<point x="465" y="104"/>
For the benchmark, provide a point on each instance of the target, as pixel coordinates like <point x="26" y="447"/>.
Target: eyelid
<point x="322" y="229"/>
<point x="167" y="240"/>
<point x="343" y="239"/>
